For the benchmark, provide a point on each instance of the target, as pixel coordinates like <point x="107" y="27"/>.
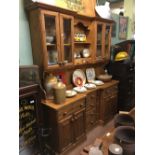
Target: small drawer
<point x="65" y="112"/>
<point x="79" y="105"/>
<point x="91" y="100"/>
<point x="109" y="91"/>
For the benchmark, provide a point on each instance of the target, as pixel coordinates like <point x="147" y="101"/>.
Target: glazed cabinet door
<point x="50" y="38"/>
<point x="79" y="124"/>
<point x="66" y="137"/>
<point x="107" y="38"/>
<point x="99" y="41"/>
<point x="66" y="32"/>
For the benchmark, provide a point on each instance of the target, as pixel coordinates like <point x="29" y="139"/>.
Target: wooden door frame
<point x="63" y="16"/>
<point x="55" y="14"/>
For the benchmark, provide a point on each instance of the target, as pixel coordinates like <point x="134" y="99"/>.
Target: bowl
<point x="85" y="53"/>
<point x="49" y="39"/>
<point x="90" y="85"/>
<point x="97" y="82"/>
<point x="80" y="89"/>
<point x="123" y="120"/>
<point x="70" y="93"/>
<point x="125" y="134"/>
<point x="105" y="77"/>
<point x="125" y="137"/>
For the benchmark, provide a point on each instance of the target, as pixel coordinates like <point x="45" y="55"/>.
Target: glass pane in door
<point x="99" y="41"/>
<point x="107" y="32"/>
<point x="67" y="43"/>
<point x="50" y="28"/>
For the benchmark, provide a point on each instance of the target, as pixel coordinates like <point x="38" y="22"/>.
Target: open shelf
<point x="78" y="42"/>
<point x="67" y="44"/>
<point x="49" y="44"/>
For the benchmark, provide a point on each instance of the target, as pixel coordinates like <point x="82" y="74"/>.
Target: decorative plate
<point x="79" y="78"/>
<point x="90" y="73"/>
<point x="90" y="85"/>
<point x="80" y="89"/>
<point x="70" y="93"/>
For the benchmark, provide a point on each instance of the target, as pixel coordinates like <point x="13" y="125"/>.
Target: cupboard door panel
<point x="108" y="30"/>
<point x="91" y="119"/>
<point x="79" y="124"/>
<point x="66" y="31"/>
<point x="99" y="47"/>
<point x="91" y="101"/>
<point x="65" y="133"/>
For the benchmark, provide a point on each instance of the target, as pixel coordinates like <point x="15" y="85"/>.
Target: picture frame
<point x="123" y="27"/>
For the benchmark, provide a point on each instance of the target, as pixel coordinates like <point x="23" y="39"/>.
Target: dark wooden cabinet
<point x="125" y="73"/>
<point x="29" y="119"/>
<point x="108" y="103"/>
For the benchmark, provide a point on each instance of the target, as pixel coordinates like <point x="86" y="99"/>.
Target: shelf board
<point x="80" y="42"/>
<point x="83" y="58"/>
<point x="67" y="44"/>
<point x="49" y="44"/>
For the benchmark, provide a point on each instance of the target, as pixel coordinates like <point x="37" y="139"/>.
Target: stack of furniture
<point x="124" y="71"/>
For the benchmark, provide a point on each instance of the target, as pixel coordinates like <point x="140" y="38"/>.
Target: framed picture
<point x="123" y="26"/>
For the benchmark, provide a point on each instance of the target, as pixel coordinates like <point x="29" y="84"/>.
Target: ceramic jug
<point x="49" y="83"/>
<point x="59" y="92"/>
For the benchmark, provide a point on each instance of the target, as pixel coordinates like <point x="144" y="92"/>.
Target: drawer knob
<point x="65" y="113"/>
<point x="92" y="122"/>
<point x="93" y="97"/>
<point x="81" y="105"/>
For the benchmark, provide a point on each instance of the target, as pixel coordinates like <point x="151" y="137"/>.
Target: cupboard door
<point x="65" y="133"/>
<point x="108" y="30"/>
<point x="51" y="40"/>
<point x="91" y="101"/>
<point x="104" y="109"/>
<point x="99" y="41"/>
<point x="66" y="31"/>
<point x="79" y="124"/>
<point x="91" y="118"/>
